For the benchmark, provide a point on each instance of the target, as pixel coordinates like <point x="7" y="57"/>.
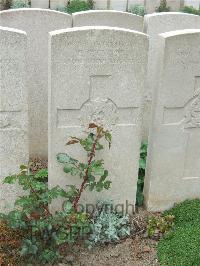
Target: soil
<point x="137" y="250"/>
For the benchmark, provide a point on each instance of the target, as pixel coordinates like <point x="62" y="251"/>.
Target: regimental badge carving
<point x="192" y="116"/>
<point x="4" y="121"/>
<point x="101" y="112"/>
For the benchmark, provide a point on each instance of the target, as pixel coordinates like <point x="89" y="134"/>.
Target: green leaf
<point x="107" y="184"/>
<point x="91" y="178"/>
<point x="67" y="168"/>
<point x="74" y="171"/>
<point x="23" y="167"/>
<point x="142" y="163"/>
<point x="67" y="206"/>
<point x="92" y="186"/>
<point x="42" y="174"/>
<point x="99" y="146"/>
<point x="63" y="158"/>
<point x="99" y="187"/>
<point x="108" y="137"/>
<point x="10" y="179"/>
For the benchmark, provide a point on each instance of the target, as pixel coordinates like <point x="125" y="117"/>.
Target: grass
<point x="181" y="247"/>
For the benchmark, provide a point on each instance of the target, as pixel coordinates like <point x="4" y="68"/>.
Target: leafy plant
<point x="138" y="10"/>
<point x="20" y="4"/>
<point x="163" y="7"/>
<point x="77" y="6"/>
<point x="141" y="174"/>
<point x="108" y="225"/>
<point x="159" y="225"/>
<point x="44" y="231"/>
<point x="92" y="172"/>
<point x="5" y="4"/>
<point x="191" y="10"/>
<point x="181" y="246"/>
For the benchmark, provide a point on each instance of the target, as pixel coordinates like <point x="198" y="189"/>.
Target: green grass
<point x="181" y="247"/>
<point x="186" y="212"/>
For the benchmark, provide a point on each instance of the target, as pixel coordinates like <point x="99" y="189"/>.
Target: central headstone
<point x="37" y="23"/>
<point x="97" y="75"/>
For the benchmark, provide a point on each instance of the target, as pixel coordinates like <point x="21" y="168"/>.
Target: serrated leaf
<point x="42" y="173"/>
<point x="10" y="179"/>
<point x="63" y="158"/>
<point x="107" y="184"/>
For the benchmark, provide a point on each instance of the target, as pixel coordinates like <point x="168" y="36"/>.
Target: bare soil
<point x="137" y="250"/>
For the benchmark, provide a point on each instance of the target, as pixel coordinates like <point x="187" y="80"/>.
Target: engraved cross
<point x="98" y="108"/>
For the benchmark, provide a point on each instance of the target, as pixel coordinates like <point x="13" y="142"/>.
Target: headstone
<point x="54" y="4"/>
<point x="118" y="5"/>
<point x="40" y="3"/>
<point x="13" y="110"/>
<point x="151" y="5"/>
<point x="174" y="5"/>
<point x="108" y="18"/>
<point x="173" y="168"/>
<point x="193" y="3"/>
<point x="155" y="24"/>
<point x="97" y="75"/>
<point x="102" y="4"/>
<point x="36" y="23"/>
<point x="132" y="3"/>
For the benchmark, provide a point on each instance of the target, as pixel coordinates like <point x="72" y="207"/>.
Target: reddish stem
<point x="85" y="178"/>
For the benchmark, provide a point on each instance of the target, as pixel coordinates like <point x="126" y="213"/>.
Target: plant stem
<point x="38" y="197"/>
<point x="85" y="178"/>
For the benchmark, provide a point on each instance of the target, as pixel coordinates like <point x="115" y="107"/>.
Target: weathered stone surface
<point x="118" y="5"/>
<point x="151" y="5"/>
<point x="36" y="23"/>
<point x="97" y="74"/>
<point x="173" y="169"/>
<point x="193" y="3"/>
<point x="108" y="18"/>
<point x="54" y="4"/>
<point x="13" y="110"/>
<point x="174" y="5"/>
<point x="40" y="3"/>
<point x="155" y="24"/>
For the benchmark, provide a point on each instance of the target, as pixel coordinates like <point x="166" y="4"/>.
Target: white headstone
<point x="155" y="24"/>
<point x="40" y="3"/>
<point x="54" y="4"/>
<point x="151" y="5"/>
<point x="13" y="110"/>
<point x="97" y="75"/>
<point x="36" y="23"/>
<point x="174" y="5"/>
<point x="118" y="5"/>
<point x="193" y="3"/>
<point x="108" y="18"/>
<point x="173" y="169"/>
<point x="101" y="4"/>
